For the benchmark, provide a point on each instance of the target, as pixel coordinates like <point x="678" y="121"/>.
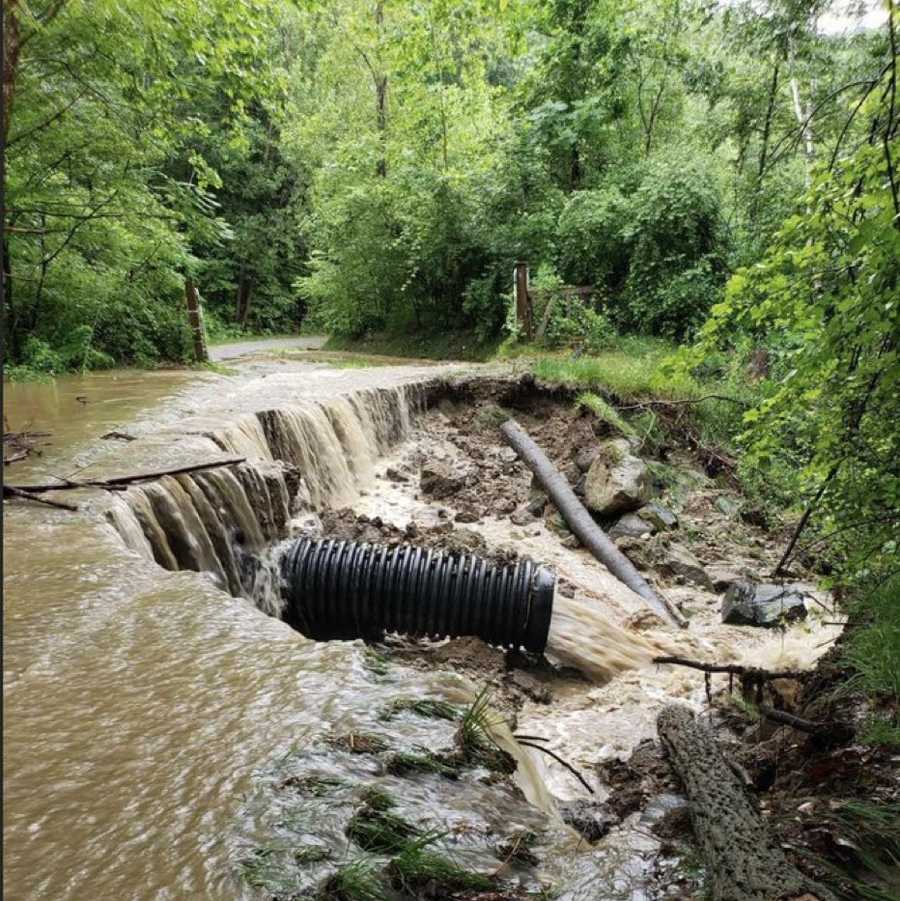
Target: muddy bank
<point x="454" y="486"/>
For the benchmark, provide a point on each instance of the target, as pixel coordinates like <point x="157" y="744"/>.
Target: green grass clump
<point x="264" y="869"/>
<point x="873" y="649"/>
<point x="376" y="829"/>
<point x="375" y="662"/>
<point x="630" y="375"/>
<point x="607" y="413"/>
<point x="359" y="880"/>
<point x="475" y="740"/>
<point x="422" y="760"/>
<point x="417" y="866"/>
<point x="427" y="707"/>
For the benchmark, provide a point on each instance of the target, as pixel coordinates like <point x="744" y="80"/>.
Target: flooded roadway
<point x="138" y="702"/>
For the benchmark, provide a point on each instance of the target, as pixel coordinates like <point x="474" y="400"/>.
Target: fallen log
<point x="581" y="522"/>
<point x="10" y="491"/>
<point x="743" y="861"/>
<point x="119" y="482"/>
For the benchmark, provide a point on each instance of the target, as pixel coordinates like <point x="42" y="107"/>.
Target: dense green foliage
<point x="381" y="166"/>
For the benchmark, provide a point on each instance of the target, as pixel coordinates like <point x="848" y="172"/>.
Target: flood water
<point x="141" y="701"/>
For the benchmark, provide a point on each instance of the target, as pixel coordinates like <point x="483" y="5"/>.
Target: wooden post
<point x="195" y="317"/>
<point x="523" y="305"/>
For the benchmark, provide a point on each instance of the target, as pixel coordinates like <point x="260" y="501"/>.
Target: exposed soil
<point x="460" y="474"/>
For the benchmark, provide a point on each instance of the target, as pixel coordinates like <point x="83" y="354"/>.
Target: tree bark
<point x="581" y="523"/>
<point x="195" y="317"/>
<point x="743" y="861"/>
<point x="245" y="286"/>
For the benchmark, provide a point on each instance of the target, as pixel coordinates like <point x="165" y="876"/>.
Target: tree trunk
<point x="581" y="523"/>
<point x="381" y="86"/>
<point x="244" y="289"/>
<point x="195" y="317"/>
<point x="743" y="861"/>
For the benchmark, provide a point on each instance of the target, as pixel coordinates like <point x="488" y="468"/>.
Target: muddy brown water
<point x="140" y="702"/>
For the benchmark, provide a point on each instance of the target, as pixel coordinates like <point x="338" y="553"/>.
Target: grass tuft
<point x="378" y="830"/>
<point x="427" y="707"/>
<point x="606" y="413"/>
<point x="421" y="760"/>
<point x="475" y="740"/>
<point x="359" y="880"/>
<point x="418" y="866"/>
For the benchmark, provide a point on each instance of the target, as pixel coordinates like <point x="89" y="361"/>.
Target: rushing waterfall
<point x="228" y="521"/>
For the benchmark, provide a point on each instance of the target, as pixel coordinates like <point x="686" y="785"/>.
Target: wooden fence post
<point x="195" y="317"/>
<point x="523" y="304"/>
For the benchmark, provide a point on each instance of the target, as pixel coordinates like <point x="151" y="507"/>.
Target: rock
<point x="727" y="505"/>
<point x="680" y="561"/>
<point x="591" y="819"/>
<point x="537" y="500"/>
<point x="660" y="517"/>
<point x="438" y="480"/>
<point x="572" y="473"/>
<point x="522" y="517"/>
<point x="723" y="576"/>
<point x="578" y="487"/>
<point x="556" y="523"/>
<point x="630" y="526"/>
<point x="530" y="686"/>
<point x="764" y="604"/>
<point x="395" y="475"/>
<point x="617" y="482"/>
<point x="586" y="456"/>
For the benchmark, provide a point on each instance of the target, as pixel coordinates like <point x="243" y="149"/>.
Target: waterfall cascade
<point x="227" y="522"/>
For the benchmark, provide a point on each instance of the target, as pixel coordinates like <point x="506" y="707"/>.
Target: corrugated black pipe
<point x="346" y="590"/>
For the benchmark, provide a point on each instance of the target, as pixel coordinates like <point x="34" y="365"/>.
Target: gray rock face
<point x="617" y="482"/>
<point x="660" y="517"/>
<point x="750" y="604"/>
<point x="680" y="561"/>
<point x="630" y="526"/>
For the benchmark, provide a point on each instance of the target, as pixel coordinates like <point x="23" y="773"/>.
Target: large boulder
<point x="680" y="561"/>
<point x="763" y="604"/>
<point x="630" y="526"/>
<point x="617" y="482"/>
<point x="660" y="517"/>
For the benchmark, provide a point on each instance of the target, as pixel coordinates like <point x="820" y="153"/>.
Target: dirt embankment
<point x="694" y="537"/>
